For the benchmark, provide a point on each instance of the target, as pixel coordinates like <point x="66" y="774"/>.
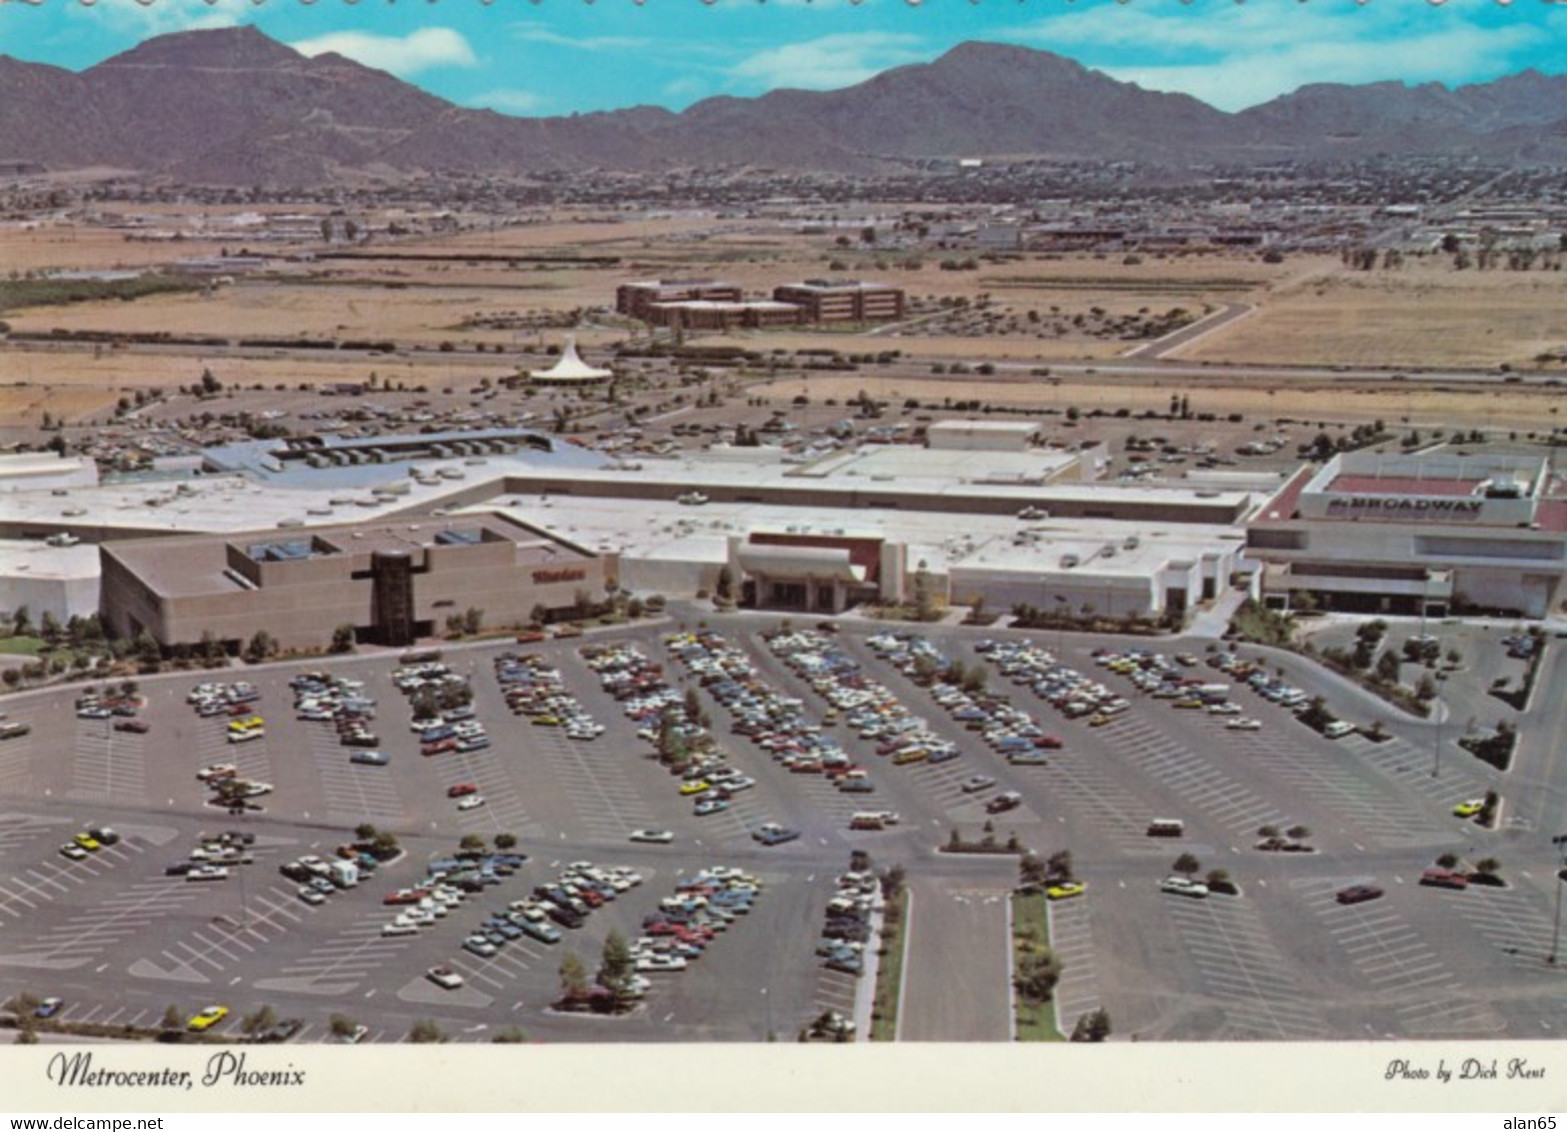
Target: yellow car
<point x="912" y="755"/>
<point x="1065" y="890"/>
<point x="247" y="724"/>
<point x="546" y="721"/>
<point x="1098" y="719"/>
<point x="1464" y="809"/>
<point x="88" y="842"/>
<point x="697" y="787"/>
<point x="208" y="1018"/>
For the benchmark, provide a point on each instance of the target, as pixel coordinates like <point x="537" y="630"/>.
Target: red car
<point x="462" y="789"/>
<point x="137" y="726"/>
<point x="439" y="747"/>
<point x="1444" y="878"/>
<point x="1049" y="742"/>
<point x="1357" y="893"/>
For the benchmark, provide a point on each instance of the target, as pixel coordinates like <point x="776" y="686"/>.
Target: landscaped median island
<point x="890" y="955"/>
<point x="1035" y="969"/>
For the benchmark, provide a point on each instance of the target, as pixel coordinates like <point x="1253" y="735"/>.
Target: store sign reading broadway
<point x="544" y="577"/>
<point x="1403" y="507"/>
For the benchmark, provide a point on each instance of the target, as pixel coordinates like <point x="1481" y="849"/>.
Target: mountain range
<point x="235" y="107"/>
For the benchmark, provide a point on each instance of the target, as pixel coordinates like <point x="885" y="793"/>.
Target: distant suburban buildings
<point x="707" y="304"/>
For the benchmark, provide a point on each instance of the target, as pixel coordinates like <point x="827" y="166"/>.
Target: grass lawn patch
<point x="889" y="971"/>
<point x="1031" y="944"/>
<point x="21" y="646"/>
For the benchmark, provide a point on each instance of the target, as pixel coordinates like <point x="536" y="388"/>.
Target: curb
<point x="903" y="974"/>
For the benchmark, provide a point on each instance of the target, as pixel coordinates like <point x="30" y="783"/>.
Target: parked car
<point x="1357" y="893"/>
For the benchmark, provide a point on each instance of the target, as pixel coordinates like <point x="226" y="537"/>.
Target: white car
<point x="1224" y="709"/>
<point x="1244" y="723"/>
<point x="977" y="782"/>
<point x="471" y="802"/>
<point x="444" y="977"/>
<point x="652" y="836"/>
<point x="312" y="896"/>
<point x="1183" y="886"/>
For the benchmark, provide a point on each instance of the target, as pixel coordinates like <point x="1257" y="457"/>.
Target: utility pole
<point x="1556" y="933"/>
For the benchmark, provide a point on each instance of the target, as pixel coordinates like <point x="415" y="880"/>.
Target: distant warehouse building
<point x="636" y="300"/>
<point x="843" y="300"/>
<point x="709" y="314"/>
<point x="1433" y="533"/>
<point x="392" y="581"/>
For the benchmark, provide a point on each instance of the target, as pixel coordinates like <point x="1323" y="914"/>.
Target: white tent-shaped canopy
<point x="570" y="369"/>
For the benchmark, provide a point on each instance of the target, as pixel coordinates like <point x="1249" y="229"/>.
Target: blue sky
<point x="561" y="56"/>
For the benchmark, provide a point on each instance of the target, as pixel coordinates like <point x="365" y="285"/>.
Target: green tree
<point x="173" y="1019"/>
<point x="342" y="1026"/>
<point x="426" y="1032"/>
<point x="505" y="841"/>
<point x="1387" y="667"/>
<point x="384" y="846"/>
<point x="1488" y="866"/>
<point x="1092" y="1027"/>
<point x="924" y="593"/>
<point x="148" y="653"/>
<point x="259" y="1022"/>
<point x="49" y="629"/>
<point x="1187" y="864"/>
<point x="511" y="1035"/>
<point x="617" y="969"/>
<point x="573" y="976"/>
<point x="725" y="586"/>
<point x="1037" y="975"/>
<point x="473" y="621"/>
<point x="364" y="831"/>
<point x="343" y="638"/>
<point x="471" y="843"/>
<point x="262" y="645"/>
<point x="1059" y="867"/>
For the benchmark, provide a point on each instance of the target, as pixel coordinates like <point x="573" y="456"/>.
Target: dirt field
<point x="1507" y="407"/>
<point x="1424" y="315"/>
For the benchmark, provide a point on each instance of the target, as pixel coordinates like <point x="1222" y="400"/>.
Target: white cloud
<point x="1243" y="55"/>
<point x="165" y="16"/>
<point x="509" y="101"/>
<point x="534" y="34"/>
<point x="829" y="62"/>
<point x="406" y="55"/>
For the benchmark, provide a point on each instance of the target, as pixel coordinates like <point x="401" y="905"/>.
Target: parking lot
<point x="120" y="939"/>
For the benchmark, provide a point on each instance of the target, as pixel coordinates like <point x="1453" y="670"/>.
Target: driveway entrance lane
<point x="947" y="1001"/>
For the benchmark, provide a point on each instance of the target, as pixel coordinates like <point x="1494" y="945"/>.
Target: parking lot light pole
<point x="1440" y="710"/>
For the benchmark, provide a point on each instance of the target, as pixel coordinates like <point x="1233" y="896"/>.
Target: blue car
<point x="49" y="1007"/>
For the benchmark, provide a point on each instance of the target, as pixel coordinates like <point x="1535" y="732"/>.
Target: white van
<point x="1338" y="729"/>
<point x="1166" y="827"/>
